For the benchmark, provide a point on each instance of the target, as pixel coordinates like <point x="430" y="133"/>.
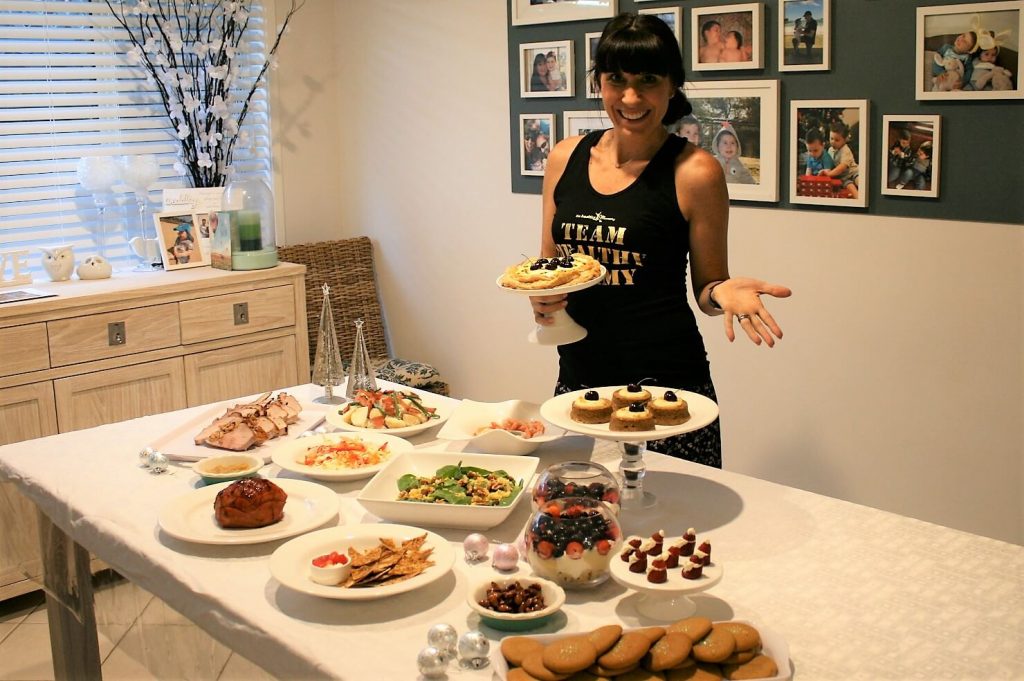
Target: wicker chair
<point x="347" y="267"/>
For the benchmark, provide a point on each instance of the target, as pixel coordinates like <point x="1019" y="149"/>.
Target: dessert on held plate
<point x="546" y="273"/>
<point x="634" y="393"/>
<point x="669" y="409"/>
<point x="248" y="503"/>
<point x="379" y="409"/>
<point x="632" y="418"/>
<point x="244" y="426"/>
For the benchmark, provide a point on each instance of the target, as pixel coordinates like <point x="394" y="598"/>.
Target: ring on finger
<point x="741" y="317"/>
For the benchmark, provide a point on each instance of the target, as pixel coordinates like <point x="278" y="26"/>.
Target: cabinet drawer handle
<point x="116" y="334"/>
<point x="241" y="313"/>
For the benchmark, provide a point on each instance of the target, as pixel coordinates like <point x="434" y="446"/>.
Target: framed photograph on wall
<point x="673" y="16"/>
<point x="534" y="12"/>
<point x="546" y="69"/>
<point x="911" y="164"/>
<point x="829" y="154"/>
<point x="590" y="41"/>
<point x="805" y="27"/>
<point x="582" y="122"/>
<point x="180" y="244"/>
<point x="537" y="137"/>
<point x="727" y="37"/>
<point x="738" y="123"/>
<point x="970" y="51"/>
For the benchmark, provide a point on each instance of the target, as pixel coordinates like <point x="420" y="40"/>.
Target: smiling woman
<point x="641" y="202"/>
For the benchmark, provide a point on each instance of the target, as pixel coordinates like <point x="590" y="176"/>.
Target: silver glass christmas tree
<point x="360" y="375"/>
<point x="328" y="370"/>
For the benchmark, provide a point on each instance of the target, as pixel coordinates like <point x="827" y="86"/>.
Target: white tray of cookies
<point x="769" y="657"/>
<point x="559" y="410"/>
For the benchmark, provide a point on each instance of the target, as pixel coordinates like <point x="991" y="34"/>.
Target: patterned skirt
<point x="700" y="446"/>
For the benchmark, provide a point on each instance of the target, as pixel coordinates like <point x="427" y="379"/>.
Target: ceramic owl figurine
<point x="58" y="262"/>
<point x="95" y="267"/>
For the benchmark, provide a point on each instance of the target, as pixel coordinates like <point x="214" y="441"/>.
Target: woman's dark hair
<point x="643" y="43"/>
<point x="541" y="57"/>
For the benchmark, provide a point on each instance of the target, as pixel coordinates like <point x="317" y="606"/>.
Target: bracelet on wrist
<point x="711" y="296"/>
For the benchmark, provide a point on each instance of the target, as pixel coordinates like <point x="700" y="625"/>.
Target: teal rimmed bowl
<point x="554" y="599"/>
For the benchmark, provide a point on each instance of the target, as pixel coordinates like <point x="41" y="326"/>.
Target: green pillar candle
<point x="248" y="226"/>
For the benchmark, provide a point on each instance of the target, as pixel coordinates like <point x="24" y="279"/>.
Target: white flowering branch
<point x="189" y="50"/>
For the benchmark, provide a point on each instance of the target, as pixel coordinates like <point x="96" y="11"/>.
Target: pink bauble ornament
<point x="475" y="546"/>
<point x="506" y="556"/>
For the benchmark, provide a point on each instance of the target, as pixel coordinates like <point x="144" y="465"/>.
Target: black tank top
<point x="639" y="323"/>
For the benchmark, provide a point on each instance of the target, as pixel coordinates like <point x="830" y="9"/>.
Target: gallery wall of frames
<point x="911" y="108"/>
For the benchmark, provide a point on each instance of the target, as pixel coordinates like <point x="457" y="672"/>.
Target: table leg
<point x="69" y="605"/>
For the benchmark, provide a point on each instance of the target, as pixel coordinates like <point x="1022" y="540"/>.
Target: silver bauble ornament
<point x="444" y="638"/>
<point x="158" y="463"/>
<point x="473" y="649"/>
<point x="506" y="557"/>
<point x="144" y="455"/>
<point x="431" y="663"/>
<point x="475" y="546"/>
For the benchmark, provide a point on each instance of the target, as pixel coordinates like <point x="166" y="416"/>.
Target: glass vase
<point x="572" y="541"/>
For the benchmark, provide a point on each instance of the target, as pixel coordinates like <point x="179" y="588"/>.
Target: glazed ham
<point x="244" y="426"/>
<point x="250" y="502"/>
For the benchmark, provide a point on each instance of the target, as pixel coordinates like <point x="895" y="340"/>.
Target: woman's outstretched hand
<point x="740" y="298"/>
<point x="543" y="306"/>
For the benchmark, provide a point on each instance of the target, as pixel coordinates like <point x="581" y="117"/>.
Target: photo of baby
<point x="828" y="164"/>
<point x="727" y="37"/>
<point x="728" y="128"/>
<point x="911" y="164"/>
<point x="969" y="54"/>
<point x="537" y="141"/>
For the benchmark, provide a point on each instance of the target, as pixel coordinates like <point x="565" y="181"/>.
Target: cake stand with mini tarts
<point x="631" y="444"/>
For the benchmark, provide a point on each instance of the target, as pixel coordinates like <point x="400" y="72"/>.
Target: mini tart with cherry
<point x="631" y="394"/>
<point x="669" y="409"/>
<point x="590" y="407"/>
<point x="632" y="418"/>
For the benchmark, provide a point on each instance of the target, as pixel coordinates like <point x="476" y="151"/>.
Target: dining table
<point x="855" y="592"/>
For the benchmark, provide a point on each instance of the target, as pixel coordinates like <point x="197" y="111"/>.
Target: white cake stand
<point x="563" y="329"/>
<point x="669" y="601"/>
<point x="632" y="445"/>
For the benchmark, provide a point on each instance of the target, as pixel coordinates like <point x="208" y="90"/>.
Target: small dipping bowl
<point x="331" y="574"/>
<point x="554" y="598"/>
<point x="227" y="467"/>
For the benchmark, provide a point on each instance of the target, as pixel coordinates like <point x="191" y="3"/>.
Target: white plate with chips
<point x="290" y="563"/>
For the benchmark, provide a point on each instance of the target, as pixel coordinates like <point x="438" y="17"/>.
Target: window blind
<point x="68" y="90"/>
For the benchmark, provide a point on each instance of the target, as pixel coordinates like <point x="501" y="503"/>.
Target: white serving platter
<point x="290" y="455"/>
<point x="289" y="563"/>
<point x="191" y="518"/>
<point x="380" y="495"/>
<point x="179" y="444"/>
<point x="772" y="645"/>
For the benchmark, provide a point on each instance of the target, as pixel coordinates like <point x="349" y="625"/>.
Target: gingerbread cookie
<point x="761" y="667"/>
<point x="698" y="672"/>
<point x="669" y="651"/>
<point x="694" y="627"/>
<point x="715" y="647"/>
<point x="598" y="670"/>
<point x="518" y="674"/>
<point x="534" y="666"/>
<point x="653" y="634"/>
<point x="629" y="649"/>
<point x="516" y="648"/>
<point x="641" y="675"/>
<point x="746" y="636"/>
<point x="605" y="637"/>
<point x="569" y="655"/>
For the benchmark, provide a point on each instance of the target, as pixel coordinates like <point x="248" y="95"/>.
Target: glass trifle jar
<point x="572" y="540"/>
<point x="577" y="479"/>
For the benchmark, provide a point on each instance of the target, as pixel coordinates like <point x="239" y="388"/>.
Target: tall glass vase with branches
<point x="191" y="50"/>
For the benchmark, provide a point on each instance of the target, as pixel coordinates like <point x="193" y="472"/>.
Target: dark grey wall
<point x="873" y="58"/>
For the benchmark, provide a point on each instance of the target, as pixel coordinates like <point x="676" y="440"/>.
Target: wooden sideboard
<point x="133" y="345"/>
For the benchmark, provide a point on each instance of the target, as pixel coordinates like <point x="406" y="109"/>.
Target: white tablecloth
<point x="857" y="593"/>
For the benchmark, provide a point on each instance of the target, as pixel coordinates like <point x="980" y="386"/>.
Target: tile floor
<point x="141" y="639"/>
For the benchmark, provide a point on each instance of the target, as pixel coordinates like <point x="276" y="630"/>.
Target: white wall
<point x="899" y="384"/>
